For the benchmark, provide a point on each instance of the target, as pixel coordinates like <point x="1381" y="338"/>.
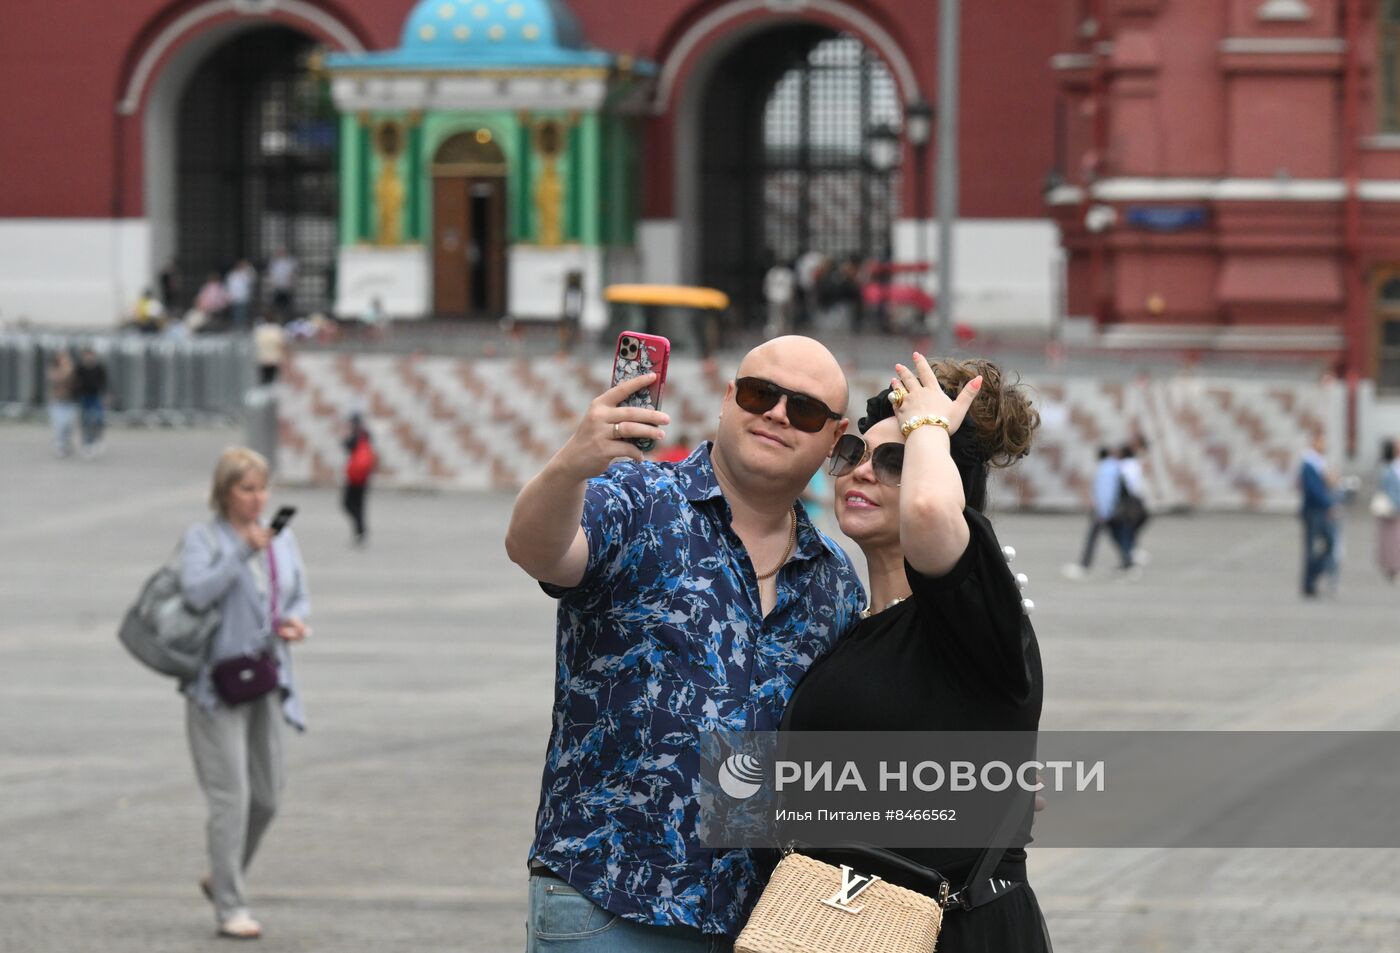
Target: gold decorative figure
<point x="549" y="187"/>
<point x="388" y="202"/>
<point x="549" y="204"/>
<point x="388" y="187"/>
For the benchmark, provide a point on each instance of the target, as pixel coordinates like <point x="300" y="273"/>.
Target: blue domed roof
<point x="485" y="34"/>
<point x="490" y="26"/>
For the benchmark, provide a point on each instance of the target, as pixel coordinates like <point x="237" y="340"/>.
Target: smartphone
<point x="639" y="354"/>
<point x="281" y="519"/>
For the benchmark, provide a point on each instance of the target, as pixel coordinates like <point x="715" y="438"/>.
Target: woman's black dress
<point x="959" y="655"/>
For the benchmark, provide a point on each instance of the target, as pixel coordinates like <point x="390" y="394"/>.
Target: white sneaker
<point x="1073" y="571"/>
<point x="240" y="926"/>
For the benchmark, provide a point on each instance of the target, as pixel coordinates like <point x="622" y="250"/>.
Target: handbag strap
<point x="273" y="614"/>
<point x="979" y="888"/>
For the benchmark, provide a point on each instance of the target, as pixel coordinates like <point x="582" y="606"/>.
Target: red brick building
<point x="1230" y="175"/>
<point x="199" y="131"/>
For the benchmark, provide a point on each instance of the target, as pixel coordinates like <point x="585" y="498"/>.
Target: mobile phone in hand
<point x="281" y="519"/>
<point x="639" y="354"/>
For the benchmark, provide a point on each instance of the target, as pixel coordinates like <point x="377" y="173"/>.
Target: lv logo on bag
<point x="853" y="884"/>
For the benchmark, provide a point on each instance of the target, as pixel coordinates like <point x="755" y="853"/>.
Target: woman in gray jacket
<point x="258" y="581"/>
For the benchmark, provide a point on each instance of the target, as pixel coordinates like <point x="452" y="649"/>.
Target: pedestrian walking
<point x="1108" y="485"/>
<point x="270" y="347"/>
<point x="691" y="596"/>
<point x="779" y="288"/>
<point x="236" y="705"/>
<point x="61" y="383"/>
<point x="1385" y="507"/>
<point x="282" y="280"/>
<point x="1318" y="513"/>
<point x="240" y="283"/>
<point x="360" y="464"/>
<point x="91" y="384"/>
<point x="808" y="272"/>
<point x="1130" y="514"/>
<point x="570" y="312"/>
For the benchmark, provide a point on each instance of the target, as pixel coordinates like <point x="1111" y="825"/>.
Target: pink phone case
<point x="639" y="354"/>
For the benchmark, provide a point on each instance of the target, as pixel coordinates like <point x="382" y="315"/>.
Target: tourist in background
<point x="360" y="465"/>
<point x="240" y="282"/>
<point x="1108" y="484"/>
<point x="1318" y="513"/>
<point x="61" y="383"/>
<point x="282" y="279"/>
<point x="91" y="387"/>
<point x="779" y="288"/>
<point x="1385" y="507"/>
<point x="808" y="272"/>
<point x="1130" y="515"/>
<point x="270" y="346"/>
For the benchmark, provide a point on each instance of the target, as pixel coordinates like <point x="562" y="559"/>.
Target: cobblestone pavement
<point x="411" y="799"/>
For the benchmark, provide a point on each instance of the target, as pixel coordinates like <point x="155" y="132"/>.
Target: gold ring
<point x="897" y="398"/>
<point x="617" y="431"/>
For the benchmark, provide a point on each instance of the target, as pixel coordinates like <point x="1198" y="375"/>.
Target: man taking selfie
<point x="692" y="597"/>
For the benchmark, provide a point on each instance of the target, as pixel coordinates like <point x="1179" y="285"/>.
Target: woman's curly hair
<point x="998" y="429"/>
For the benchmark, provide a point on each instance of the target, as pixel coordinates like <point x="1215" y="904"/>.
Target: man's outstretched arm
<point x="546" y="537"/>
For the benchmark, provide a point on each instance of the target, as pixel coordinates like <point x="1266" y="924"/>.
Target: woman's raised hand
<point x="924" y="396"/>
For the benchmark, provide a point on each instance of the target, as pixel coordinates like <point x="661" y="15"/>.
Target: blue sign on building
<point x="1166" y="218"/>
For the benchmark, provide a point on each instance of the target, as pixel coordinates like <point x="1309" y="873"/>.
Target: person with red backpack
<point x="358" y="469"/>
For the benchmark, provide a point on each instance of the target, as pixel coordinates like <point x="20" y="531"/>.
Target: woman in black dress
<point x="945" y="644"/>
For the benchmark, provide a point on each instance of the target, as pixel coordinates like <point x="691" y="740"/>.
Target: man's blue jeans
<point x="563" y="919"/>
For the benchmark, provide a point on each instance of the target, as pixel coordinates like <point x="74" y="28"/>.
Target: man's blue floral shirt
<point x="665" y="638"/>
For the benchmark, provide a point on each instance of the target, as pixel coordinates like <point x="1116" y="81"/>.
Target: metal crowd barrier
<point x="149" y="380"/>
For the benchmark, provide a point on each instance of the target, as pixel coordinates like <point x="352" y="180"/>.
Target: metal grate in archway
<point x="788" y="168"/>
<point x="257" y="165"/>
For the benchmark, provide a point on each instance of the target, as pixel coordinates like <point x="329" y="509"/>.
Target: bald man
<point x="692" y="597"/>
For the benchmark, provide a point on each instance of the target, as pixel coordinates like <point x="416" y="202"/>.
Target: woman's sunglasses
<point x="804" y="412"/>
<point x="887" y="460"/>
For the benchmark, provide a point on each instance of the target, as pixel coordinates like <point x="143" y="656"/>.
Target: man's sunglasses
<point x="887" y="460"/>
<point x="804" y="412"/>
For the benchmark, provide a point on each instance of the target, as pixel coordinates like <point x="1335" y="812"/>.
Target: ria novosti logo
<point x="740" y="776"/>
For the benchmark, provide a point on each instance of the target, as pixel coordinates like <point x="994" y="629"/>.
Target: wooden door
<point x="451" y="246"/>
<point x="469" y="246"/>
<point x="489" y="212"/>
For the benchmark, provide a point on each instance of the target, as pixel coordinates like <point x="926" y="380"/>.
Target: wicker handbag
<point x="810" y="906"/>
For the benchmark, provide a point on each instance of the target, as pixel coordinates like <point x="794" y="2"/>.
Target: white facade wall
<point x="1007" y="271"/>
<point x="72" y="273"/>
